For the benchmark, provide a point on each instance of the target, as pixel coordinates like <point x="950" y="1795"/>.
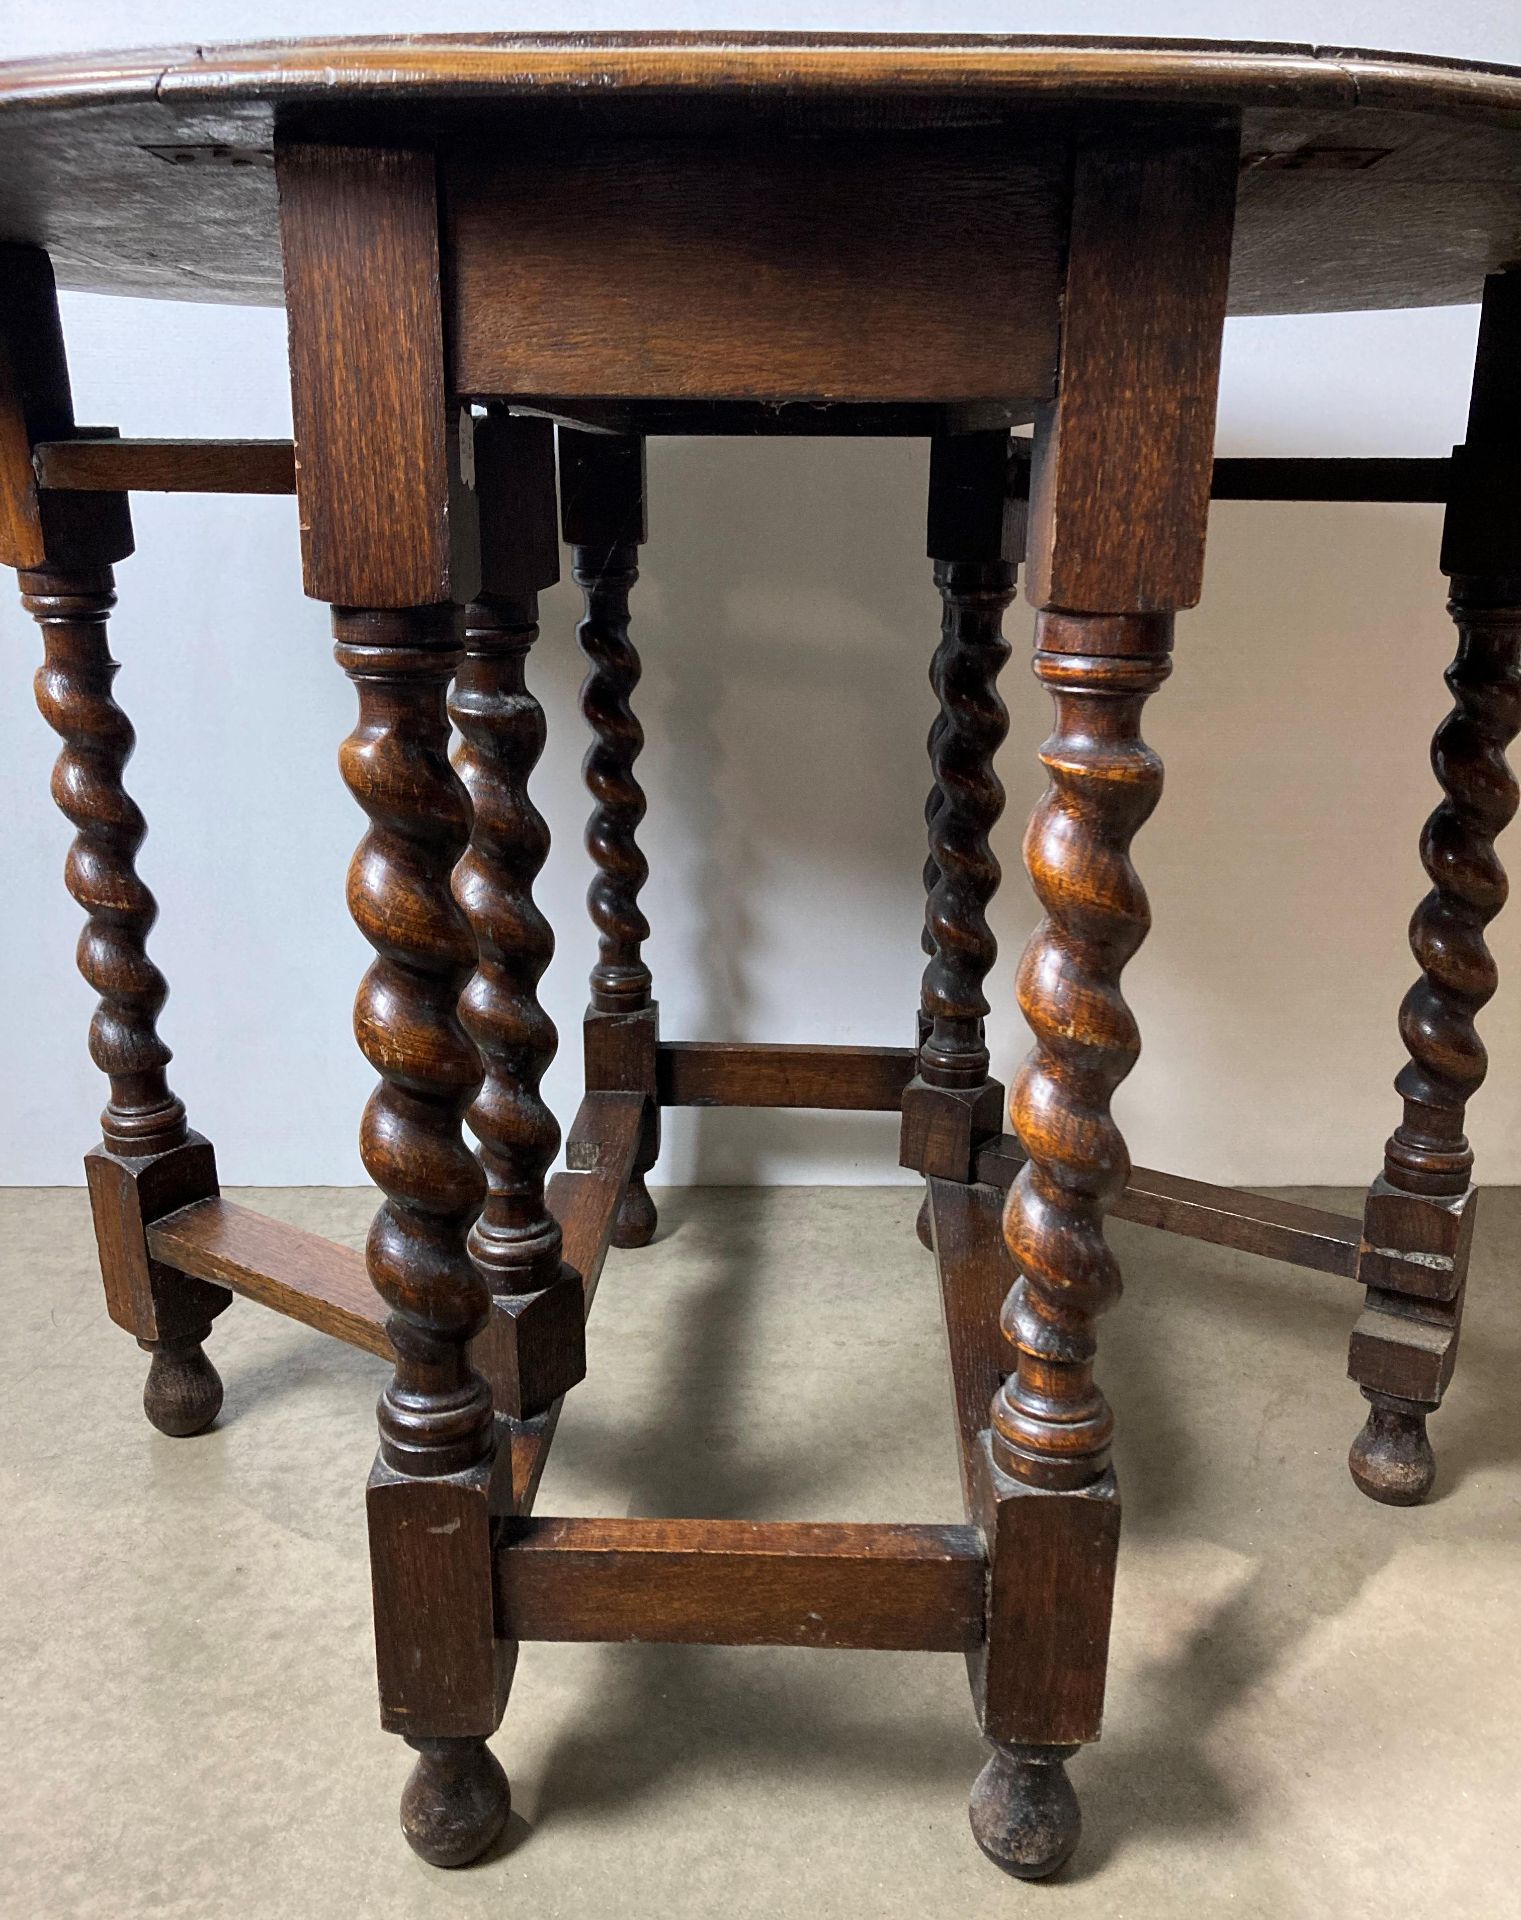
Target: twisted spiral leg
<point x="435" y="1416"/>
<point x="975" y="722"/>
<point x="1051" y="1426"/>
<point x="516" y="1241"/>
<point x="620" y="981"/>
<point x="1428" y="1152"/>
<point x="143" y="1118"/>
<point x="1428" y="1158"/>
<point x="74" y="694"/>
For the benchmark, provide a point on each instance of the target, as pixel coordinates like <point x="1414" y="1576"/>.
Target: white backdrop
<point x="786" y="619"/>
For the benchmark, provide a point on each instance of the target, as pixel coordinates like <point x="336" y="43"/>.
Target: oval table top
<point x="1367" y="179"/>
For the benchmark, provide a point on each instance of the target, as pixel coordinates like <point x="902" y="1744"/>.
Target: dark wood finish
<point x="1340" y="480"/>
<point x="1369" y="179"/>
<point x="435" y="1484"/>
<point x="63" y="545"/>
<point x="599" y="1152"/>
<point x="705" y="1073"/>
<point x="966" y="1231"/>
<point x="435" y="1418"/>
<point x="873" y="221"/>
<point x="167" y="466"/>
<point x="1119" y="501"/>
<point x="169" y="1313"/>
<point x="534" y="1346"/>
<point x="298" y="1274"/>
<point x="1119" y="498"/>
<point x="268" y="466"/>
<point x="742" y="1583"/>
<point x="143" y="1115"/>
<point x="1418" y="1217"/>
<point x="1224" y="1216"/>
<point x="1051" y="1424"/>
<point x="976" y="540"/>
<point x="602" y="509"/>
<point x="39" y="529"/>
<point x="746" y="233"/>
<point x="1040" y="1677"/>
<point x="375" y="469"/>
<point x="976" y="534"/>
<point x="1145" y="300"/>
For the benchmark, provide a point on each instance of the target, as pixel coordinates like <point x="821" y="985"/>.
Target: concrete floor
<point x="1314" y="1708"/>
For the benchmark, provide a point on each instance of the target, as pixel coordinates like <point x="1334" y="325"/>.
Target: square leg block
<point x="533" y="1348"/>
<point x="1416" y="1244"/>
<point x="1039" y="1678"/>
<point x="126" y="1196"/>
<point x="944" y="1126"/>
<point x="443" y="1673"/>
<point x="622" y="1050"/>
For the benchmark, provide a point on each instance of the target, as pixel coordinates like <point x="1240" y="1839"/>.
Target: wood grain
<point x="600" y="1151"/>
<point x="973" y="1267"/>
<point x="298" y="1274"/>
<point x="380" y="510"/>
<point x="1119" y="490"/>
<point x="742" y="1583"/>
<point x="704" y="1073"/>
<point x="1224" y="1216"/>
<point x="150" y="171"/>
<point x="777" y="270"/>
<point x="168" y="466"/>
<point x="268" y="466"/>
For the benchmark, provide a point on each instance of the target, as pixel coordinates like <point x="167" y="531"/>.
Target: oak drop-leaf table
<point x="505" y="262"/>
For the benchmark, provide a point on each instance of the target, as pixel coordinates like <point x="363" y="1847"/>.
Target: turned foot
<point x="1025" y="1816"/>
<point x="637" y="1218"/>
<point x="922" y="1224"/>
<point x="183" y="1392"/>
<point x="1391" y="1459"/>
<point x="455" y="1802"/>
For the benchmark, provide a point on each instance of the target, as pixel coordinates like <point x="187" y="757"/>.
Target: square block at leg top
<point x="622" y="1050"/>
<point x="1405" y="1349"/>
<point x="1039" y="1676"/>
<point x="442" y="1672"/>
<point x="944" y="1126"/>
<point x="126" y="1197"/>
<point x="1416" y="1244"/>
<point x="533" y="1347"/>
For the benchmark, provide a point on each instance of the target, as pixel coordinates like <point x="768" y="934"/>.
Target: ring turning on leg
<point x="1051" y="1425"/>
<point x="1419" y="1215"/>
<point x="602" y="504"/>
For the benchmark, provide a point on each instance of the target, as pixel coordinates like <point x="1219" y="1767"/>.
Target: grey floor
<point x="1314" y="1708"/>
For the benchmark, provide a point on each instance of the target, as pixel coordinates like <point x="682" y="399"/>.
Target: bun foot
<point x="1391" y="1459"/>
<point x="455" y="1802"/>
<point x="1025" y="1816"/>
<point x="922" y="1224"/>
<point x="637" y="1218"/>
<point x="183" y="1392"/>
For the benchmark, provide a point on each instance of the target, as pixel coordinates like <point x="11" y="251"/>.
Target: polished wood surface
<point x="492" y="248"/>
<point x="297" y="1273"/>
<point x="743" y="1583"/>
<point x="1371" y="179"/>
<point x="269" y="466"/>
<point x="860" y="235"/>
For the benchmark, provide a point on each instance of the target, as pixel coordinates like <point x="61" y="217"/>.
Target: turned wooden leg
<point x="976" y="539"/>
<point x="602" y="504"/>
<point x="1118" y="504"/>
<point x="148" y="1163"/>
<point x="389" y="539"/>
<point x="534" y="1346"/>
<point x="1419" y="1215"/>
